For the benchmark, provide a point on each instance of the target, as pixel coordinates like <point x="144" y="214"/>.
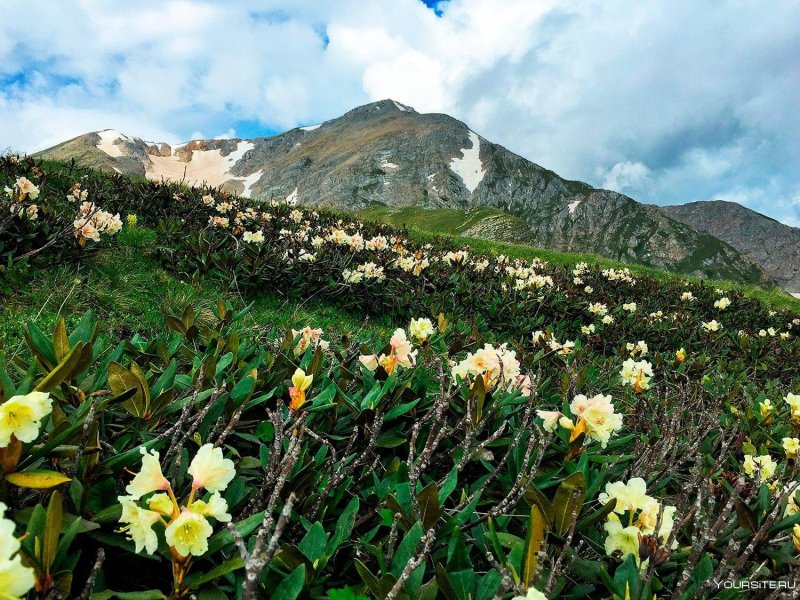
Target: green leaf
<point x="314" y="542"/>
<point x="291" y="586"/>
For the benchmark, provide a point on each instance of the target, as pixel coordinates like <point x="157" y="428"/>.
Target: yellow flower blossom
<point x="21" y="416"/>
<point x="139" y="525"/>
<point x="189" y="533"/>
<point x="149" y="478"/>
<point x="211" y="470"/>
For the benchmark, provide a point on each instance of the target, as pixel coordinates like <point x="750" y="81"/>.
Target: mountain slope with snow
<point x="387" y="154"/>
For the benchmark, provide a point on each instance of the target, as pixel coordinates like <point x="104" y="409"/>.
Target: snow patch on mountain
<point x="572" y="206"/>
<point x="311" y="127"/>
<point x="469" y="167"/>
<point x="107" y="141"/>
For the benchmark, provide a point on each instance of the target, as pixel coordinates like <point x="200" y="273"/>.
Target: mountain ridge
<point x="386" y="153"/>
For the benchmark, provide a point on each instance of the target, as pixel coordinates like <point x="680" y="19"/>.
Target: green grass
<point x="126" y="287"/>
<point x="449" y="220"/>
<point x="426" y="225"/>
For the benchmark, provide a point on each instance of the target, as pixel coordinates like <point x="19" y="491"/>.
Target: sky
<point x="666" y="101"/>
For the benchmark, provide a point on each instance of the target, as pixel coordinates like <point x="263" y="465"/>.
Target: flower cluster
<point x="187" y="528"/>
<point x="401" y="353"/>
<point x="308" y="338"/>
<point x="644" y="515"/>
<point x="636" y="374"/>
<point x="497" y="366"/>
<point x="593" y="416"/>
<point x="92" y="222"/>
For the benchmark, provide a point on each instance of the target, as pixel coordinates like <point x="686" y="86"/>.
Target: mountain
<point x="387" y="154"/>
<point x="765" y="241"/>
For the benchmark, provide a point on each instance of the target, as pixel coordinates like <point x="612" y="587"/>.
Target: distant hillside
<point x="387" y="153"/>
<point x="773" y="245"/>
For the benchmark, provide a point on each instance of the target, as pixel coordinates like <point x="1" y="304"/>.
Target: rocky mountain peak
<point x="387" y="154"/>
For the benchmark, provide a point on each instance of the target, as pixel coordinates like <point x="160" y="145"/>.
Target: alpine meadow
<point x="379" y="356"/>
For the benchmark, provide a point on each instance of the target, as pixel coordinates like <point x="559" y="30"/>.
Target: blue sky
<point x="667" y="102"/>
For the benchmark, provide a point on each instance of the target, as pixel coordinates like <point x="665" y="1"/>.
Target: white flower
<point x="21" y="416"/>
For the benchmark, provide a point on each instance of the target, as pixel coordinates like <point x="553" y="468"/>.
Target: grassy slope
<point x="428" y="224"/>
<point x="131" y="293"/>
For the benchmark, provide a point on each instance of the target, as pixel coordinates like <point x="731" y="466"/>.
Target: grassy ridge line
<point x="428" y="225"/>
<point x="131" y="292"/>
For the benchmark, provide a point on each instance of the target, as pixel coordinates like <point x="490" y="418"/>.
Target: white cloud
<point x="625" y="176"/>
<point x="669" y="101"/>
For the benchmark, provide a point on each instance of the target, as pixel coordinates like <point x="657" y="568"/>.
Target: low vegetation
<point x="192" y="405"/>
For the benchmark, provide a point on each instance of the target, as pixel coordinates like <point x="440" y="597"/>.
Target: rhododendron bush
<point x="523" y="430"/>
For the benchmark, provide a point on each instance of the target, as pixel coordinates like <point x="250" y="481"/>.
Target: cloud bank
<point x="665" y="101"/>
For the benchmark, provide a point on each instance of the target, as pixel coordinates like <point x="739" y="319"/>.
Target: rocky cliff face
<point x="773" y="245"/>
<point x="386" y="153"/>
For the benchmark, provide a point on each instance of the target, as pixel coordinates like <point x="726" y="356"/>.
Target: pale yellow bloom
<point x="210" y="469"/>
<point x="21" y="416"/>
<point x="149" y="478"/>
<point x="630" y="496"/>
<point x="636" y="374"/>
<point x="161" y="503"/>
<point x="598" y="415"/>
<point x="15" y="578"/>
<point x="421" y="329"/>
<point x="680" y="355"/>
<point x="766" y="408"/>
<point x="763" y="466"/>
<point x="624" y="540"/>
<point x="549" y="418"/>
<point x="189" y="533"/>
<point x="791" y="446"/>
<point x="532" y="594"/>
<point x="370" y="361"/>
<point x="712" y="325"/>
<point x="139" y="523"/>
<point x="648" y="518"/>
<point x="216" y="507"/>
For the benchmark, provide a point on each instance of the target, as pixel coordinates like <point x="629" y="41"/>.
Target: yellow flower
<point x="132" y="220"/>
<point x="189" y="533"/>
<point x="215" y="507"/>
<point x="763" y="466"/>
<point x="297" y="393"/>
<point x="648" y="518"/>
<point x="532" y="594"/>
<point x="20" y="416"/>
<point x="161" y="503"/>
<point x="680" y="355"/>
<point x="791" y="446"/>
<point x="149" y="478"/>
<point x="139" y="525"/>
<point x="796" y="536"/>
<point x="793" y="400"/>
<point x="712" y="325"/>
<point x="549" y="418"/>
<point x="302" y="381"/>
<point x="630" y="496"/>
<point x="370" y="361"/>
<point x="421" y="329"/>
<point x="15" y="578"/>
<point x="210" y="470"/>
<point x="766" y="408"/>
<point x="624" y="540"/>
<point x="636" y="374"/>
<point x="598" y="415"/>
